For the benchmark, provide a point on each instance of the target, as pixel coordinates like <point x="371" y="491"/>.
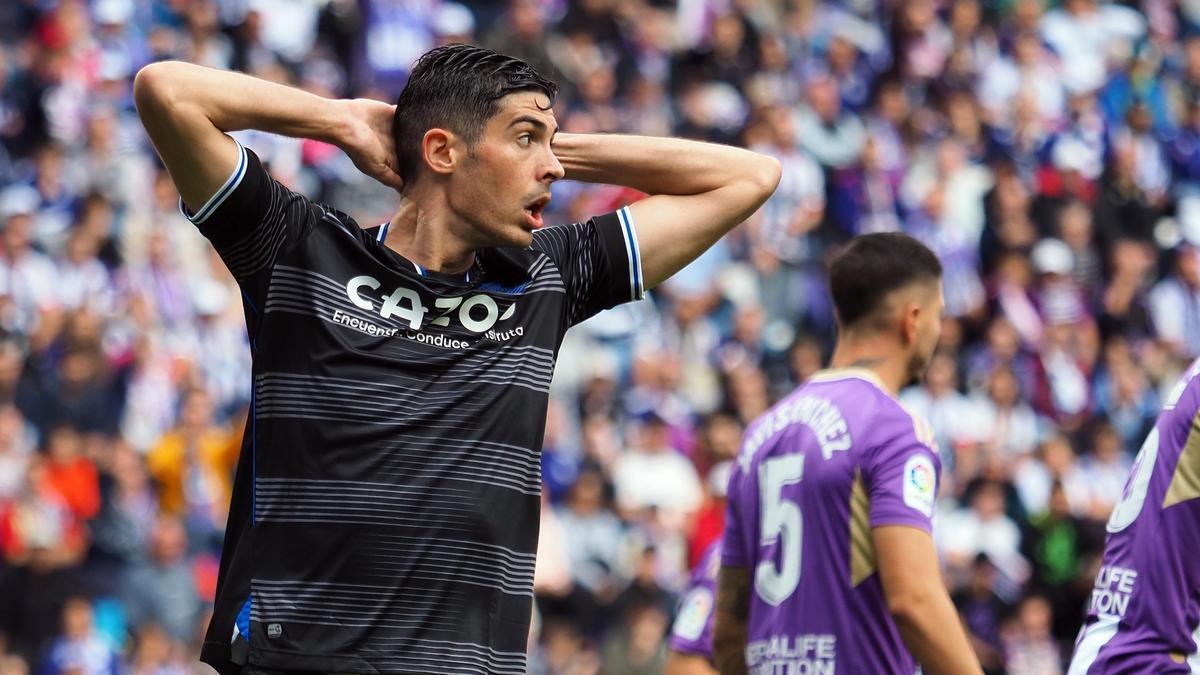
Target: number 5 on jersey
<point x="782" y="522"/>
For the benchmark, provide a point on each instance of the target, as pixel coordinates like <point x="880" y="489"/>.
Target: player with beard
<point x="385" y="511"/>
<point x="828" y="563"/>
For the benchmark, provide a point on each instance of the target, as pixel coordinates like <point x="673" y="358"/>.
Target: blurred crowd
<point x="1048" y="151"/>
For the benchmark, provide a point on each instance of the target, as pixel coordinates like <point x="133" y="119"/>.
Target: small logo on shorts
<point x="274" y="630"/>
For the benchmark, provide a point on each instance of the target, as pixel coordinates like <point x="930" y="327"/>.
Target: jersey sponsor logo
<point x="477" y="313"/>
<point x="920" y="484"/>
<point x="814" y="654"/>
<point x="363" y="326"/>
<point x="693" y="614"/>
<point x="819" y="414"/>
<point x="274" y="630"/>
<point x="1114" y="586"/>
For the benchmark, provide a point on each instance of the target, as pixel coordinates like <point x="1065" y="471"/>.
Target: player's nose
<point x="553" y="169"/>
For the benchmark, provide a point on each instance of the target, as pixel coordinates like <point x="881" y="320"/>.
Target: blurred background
<point x="1049" y="152"/>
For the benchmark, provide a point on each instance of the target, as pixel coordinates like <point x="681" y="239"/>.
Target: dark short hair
<point x="874" y="265"/>
<point x="457" y="87"/>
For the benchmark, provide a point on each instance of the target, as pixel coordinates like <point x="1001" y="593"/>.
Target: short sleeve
<point x="735" y="549"/>
<point x="901" y="475"/>
<point x="691" y="633"/>
<point x="251" y="220"/>
<point x="599" y="262"/>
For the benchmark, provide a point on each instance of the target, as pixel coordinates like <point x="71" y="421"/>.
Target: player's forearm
<point x="731" y="621"/>
<point x="933" y="633"/>
<point x="688" y="664"/>
<point x="662" y="166"/>
<point x="729" y="646"/>
<point x="234" y="101"/>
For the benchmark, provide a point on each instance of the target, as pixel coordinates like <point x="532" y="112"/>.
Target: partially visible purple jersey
<point x="692" y="631"/>
<point x="1144" y="614"/>
<point x="832" y="460"/>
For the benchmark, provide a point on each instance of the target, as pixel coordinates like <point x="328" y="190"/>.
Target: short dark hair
<point x="872" y="266"/>
<point x="457" y="87"/>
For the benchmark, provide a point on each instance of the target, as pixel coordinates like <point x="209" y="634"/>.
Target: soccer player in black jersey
<point x="385" y="510"/>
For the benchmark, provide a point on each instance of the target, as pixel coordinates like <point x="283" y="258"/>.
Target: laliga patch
<point x="693" y="615"/>
<point x="920" y="484"/>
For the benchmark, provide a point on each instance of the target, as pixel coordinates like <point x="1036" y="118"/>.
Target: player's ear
<point x="439" y="150"/>
<point x="910" y="321"/>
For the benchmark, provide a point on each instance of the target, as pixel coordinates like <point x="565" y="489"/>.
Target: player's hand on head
<point x="369" y="141"/>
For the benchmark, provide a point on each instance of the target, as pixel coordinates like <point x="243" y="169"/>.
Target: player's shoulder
<point x="512" y="267"/>
<point x="1185" y="395"/>
<point x="554" y="240"/>
<point x="880" y="416"/>
<point x="339" y="222"/>
<point x="870" y="398"/>
<point x="710" y="561"/>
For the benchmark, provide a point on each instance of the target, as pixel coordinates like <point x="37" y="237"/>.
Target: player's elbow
<point x="156" y="87"/>
<point x="765" y="176"/>
<point x="908" y="605"/>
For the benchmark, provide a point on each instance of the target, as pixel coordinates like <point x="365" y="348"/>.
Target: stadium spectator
<point x="161" y="589"/>
<point x="79" y="648"/>
<point x="984" y="613"/>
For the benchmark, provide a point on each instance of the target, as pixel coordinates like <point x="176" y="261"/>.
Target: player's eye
<point x="525" y="139"/>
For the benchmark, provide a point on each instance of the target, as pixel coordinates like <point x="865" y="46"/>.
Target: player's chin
<point x="521" y="235"/>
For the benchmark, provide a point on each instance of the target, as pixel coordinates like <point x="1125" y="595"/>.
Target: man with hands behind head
<point x="385" y="510"/>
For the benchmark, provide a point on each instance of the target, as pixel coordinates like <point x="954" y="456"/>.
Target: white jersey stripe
<point x="221" y="194"/>
<point x="1091" y="640"/>
<point x="636" y="284"/>
<point x="1194" y="659"/>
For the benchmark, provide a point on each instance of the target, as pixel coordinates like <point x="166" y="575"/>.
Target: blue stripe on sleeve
<point x="637" y="286"/>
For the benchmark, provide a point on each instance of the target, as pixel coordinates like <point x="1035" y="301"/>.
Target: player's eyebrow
<point x="530" y="119"/>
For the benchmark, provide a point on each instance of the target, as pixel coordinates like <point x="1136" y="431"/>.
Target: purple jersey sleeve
<point x="901" y="474"/>
<point x="735" y="550"/>
<point x="692" y="631"/>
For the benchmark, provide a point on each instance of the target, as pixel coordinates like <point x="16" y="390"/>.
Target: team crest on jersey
<point x="920" y="484"/>
<point x="693" y="615"/>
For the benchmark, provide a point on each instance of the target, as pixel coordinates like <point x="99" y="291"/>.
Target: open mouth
<point x="533" y="209"/>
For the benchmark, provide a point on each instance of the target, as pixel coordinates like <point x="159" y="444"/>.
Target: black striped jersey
<point x="385" y="509"/>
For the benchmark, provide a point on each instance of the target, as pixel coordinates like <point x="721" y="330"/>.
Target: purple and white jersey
<point x="1144" y="614"/>
<point x="832" y="460"/>
<point x="692" y="631"/>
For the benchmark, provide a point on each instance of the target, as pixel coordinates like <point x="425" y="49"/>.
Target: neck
<point x="876" y="354"/>
<point x="424" y="235"/>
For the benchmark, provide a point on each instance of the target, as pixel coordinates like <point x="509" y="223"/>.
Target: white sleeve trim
<point x="637" y="283"/>
<point x="219" y="197"/>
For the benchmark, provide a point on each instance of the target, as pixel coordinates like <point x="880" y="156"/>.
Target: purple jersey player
<point x="691" y="635"/>
<point x="828" y="565"/>
<point x="828" y="463"/>
<point x="1144" y="614"/>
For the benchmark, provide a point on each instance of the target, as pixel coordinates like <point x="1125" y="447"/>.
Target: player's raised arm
<point x="917" y="600"/>
<point x="699" y="191"/>
<point x="187" y="109"/>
